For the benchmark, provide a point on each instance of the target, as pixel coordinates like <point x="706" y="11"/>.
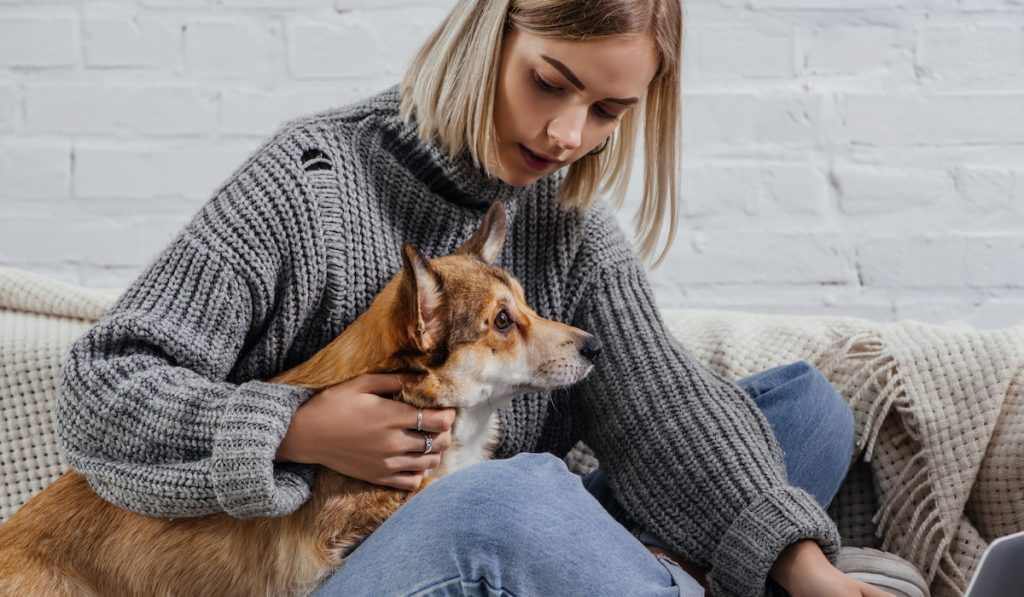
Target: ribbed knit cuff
<point x="749" y="548"/>
<point x="249" y="431"/>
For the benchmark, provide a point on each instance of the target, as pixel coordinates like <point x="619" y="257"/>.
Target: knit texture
<point x="162" y="407"/>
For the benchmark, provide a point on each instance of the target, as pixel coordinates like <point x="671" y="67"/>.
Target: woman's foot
<point x="884" y="570"/>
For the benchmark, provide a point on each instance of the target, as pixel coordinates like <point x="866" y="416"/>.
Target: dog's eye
<point x="502" y="321"/>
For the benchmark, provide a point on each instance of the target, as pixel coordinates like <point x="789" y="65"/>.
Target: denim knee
<point x="833" y="410"/>
<point x="828" y="408"/>
<point x="812" y="422"/>
<point x="498" y="496"/>
<point x="525" y="473"/>
<point x="833" y="426"/>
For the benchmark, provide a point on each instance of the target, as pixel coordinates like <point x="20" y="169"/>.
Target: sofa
<point x="938" y="472"/>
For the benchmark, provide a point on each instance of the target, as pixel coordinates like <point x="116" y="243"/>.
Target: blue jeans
<point x="528" y="526"/>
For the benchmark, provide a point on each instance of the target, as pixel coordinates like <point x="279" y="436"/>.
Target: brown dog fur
<point x="434" y="317"/>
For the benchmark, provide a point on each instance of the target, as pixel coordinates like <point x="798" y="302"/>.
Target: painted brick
<point x="934" y="261"/>
<point x="9" y="100"/>
<point x="995" y="260"/>
<point x="749" y="256"/>
<point x="259" y="5"/>
<point x="344" y="47"/>
<point x="407" y="30"/>
<point x="118" y="277"/>
<point x="741" y="118"/>
<point x="256" y="112"/>
<point x="956" y="119"/>
<point x="878" y="189"/>
<point x="177" y="4"/>
<point x="857" y="49"/>
<point x="35" y="170"/>
<point x="720" y="191"/>
<point x="731" y="190"/>
<point x="988" y="188"/>
<point x="744" y="51"/>
<point x="100" y="240"/>
<point x="138" y="108"/>
<point x="347" y="5"/>
<point x="121" y="170"/>
<point x="139" y="42"/>
<point x="38" y="41"/>
<point x="844" y="158"/>
<point x="846" y="5"/>
<point x="235" y="47"/>
<point x="988" y="5"/>
<point x="972" y="49"/>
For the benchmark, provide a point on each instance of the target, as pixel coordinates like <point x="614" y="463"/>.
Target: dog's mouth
<point x="560" y="373"/>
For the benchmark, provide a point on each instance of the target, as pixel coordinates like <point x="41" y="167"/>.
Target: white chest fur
<point x="474" y="436"/>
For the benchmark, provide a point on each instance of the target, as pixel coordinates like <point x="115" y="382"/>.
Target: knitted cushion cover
<point x="939" y="470"/>
<point x="39" y="319"/>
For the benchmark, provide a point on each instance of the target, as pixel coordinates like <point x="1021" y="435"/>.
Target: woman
<point x="534" y="103"/>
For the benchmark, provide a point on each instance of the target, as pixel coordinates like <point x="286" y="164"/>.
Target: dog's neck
<point x="474" y="437"/>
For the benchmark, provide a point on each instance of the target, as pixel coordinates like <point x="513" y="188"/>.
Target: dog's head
<point x="469" y="331"/>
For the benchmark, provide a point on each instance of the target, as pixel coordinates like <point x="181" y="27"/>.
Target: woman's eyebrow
<point x="579" y="84"/>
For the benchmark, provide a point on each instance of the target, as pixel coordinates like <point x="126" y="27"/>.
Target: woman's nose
<point x="566" y="129"/>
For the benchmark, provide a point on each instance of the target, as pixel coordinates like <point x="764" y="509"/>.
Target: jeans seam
<point x="461" y="580"/>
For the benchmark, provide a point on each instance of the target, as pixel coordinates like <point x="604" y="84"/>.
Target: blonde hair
<point x="449" y="89"/>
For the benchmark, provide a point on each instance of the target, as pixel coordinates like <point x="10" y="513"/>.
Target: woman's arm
<point x="688" y="454"/>
<point x="144" y="410"/>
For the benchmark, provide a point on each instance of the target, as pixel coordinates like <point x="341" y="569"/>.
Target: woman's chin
<point x="519" y="179"/>
<point x="524" y="179"/>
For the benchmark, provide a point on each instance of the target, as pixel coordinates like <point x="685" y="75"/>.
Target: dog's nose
<point x="591" y="347"/>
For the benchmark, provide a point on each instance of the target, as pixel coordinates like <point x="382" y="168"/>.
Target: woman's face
<point x="557" y="100"/>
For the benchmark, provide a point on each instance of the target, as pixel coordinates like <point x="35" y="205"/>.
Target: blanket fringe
<point x="952" y="574"/>
<point x="875" y="377"/>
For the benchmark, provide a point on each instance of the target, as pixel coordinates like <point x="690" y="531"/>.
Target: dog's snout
<point x="590" y="347"/>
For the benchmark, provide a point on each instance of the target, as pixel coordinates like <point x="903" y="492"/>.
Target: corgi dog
<point x="458" y="322"/>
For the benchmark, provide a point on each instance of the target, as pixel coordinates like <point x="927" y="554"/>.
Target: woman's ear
<point x="489" y="238"/>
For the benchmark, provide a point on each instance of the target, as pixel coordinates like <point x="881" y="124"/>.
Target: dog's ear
<point x="424" y="287"/>
<point x="488" y="240"/>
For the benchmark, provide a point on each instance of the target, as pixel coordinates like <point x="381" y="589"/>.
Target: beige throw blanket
<point x="940" y="425"/>
<point x="940" y="413"/>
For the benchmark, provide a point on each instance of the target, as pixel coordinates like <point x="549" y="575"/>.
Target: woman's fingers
<point x="413" y="441"/>
<point x="381" y="384"/>
<point x="435" y="420"/>
<point x="406" y="481"/>
<point x="413" y="463"/>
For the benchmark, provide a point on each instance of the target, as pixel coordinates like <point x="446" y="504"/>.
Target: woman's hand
<point x="352" y="429"/>
<point x="804" y="571"/>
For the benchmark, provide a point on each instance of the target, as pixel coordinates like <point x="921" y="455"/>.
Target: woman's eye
<point x="502" y="321"/>
<point x="543" y="84"/>
<point x="607" y="115"/>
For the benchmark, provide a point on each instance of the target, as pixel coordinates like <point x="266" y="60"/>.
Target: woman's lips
<point x="533" y="160"/>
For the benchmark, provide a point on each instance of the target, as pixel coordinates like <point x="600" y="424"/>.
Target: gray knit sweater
<point x="161" y="405"/>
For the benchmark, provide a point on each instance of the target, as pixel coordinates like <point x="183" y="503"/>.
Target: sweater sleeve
<point x="144" y="409"/>
<point x="687" y="453"/>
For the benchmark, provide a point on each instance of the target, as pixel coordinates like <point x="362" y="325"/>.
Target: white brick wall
<point x="849" y="157"/>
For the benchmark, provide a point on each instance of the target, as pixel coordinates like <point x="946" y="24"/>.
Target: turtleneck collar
<point x="455" y="179"/>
